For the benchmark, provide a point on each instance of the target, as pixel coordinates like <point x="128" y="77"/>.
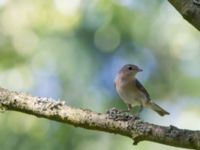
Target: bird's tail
<point x="158" y="109"/>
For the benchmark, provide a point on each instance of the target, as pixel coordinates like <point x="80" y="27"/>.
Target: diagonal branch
<point x="135" y="129"/>
<point x="189" y="9"/>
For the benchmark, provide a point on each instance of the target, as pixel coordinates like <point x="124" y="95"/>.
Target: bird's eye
<point x="130" y="68"/>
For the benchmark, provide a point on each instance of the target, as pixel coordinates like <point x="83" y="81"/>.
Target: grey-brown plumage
<point x="132" y="91"/>
<point x="141" y="88"/>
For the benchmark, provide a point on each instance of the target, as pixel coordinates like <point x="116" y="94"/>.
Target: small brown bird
<point x="132" y="91"/>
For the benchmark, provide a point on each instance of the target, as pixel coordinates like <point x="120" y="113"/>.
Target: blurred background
<point x="71" y="50"/>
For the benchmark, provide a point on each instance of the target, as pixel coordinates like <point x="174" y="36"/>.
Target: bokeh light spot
<point x="107" y="39"/>
<point x="67" y="7"/>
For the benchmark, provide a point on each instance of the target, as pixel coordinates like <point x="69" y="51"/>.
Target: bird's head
<point x="129" y="70"/>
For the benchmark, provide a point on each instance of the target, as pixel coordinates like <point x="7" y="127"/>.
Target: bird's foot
<point x="121" y="115"/>
<point x="197" y="2"/>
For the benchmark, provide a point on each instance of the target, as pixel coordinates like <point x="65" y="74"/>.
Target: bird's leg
<point x="140" y="109"/>
<point x="129" y="106"/>
<point x="123" y="115"/>
<point x="120" y="115"/>
<point x="135" y="117"/>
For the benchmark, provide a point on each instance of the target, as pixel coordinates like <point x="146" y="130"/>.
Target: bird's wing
<point x="141" y="88"/>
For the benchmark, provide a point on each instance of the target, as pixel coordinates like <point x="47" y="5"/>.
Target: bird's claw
<point x="121" y="115"/>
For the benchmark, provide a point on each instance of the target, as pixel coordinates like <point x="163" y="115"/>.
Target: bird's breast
<point x="127" y="91"/>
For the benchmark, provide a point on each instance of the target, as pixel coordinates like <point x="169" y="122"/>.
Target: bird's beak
<point x="139" y="70"/>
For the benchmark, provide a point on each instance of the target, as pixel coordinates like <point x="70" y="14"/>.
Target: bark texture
<point x="189" y="9"/>
<point x="135" y="128"/>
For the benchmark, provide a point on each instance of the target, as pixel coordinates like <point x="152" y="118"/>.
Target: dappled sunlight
<point x="25" y="43"/>
<point x="16" y="79"/>
<point x="3" y="2"/>
<point x="189" y="120"/>
<point x="68" y="7"/>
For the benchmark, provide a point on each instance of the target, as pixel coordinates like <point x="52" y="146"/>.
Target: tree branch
<point x="189" y="9"/>
<point x="135" y="129"/>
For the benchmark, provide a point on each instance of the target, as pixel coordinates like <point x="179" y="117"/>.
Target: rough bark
<point x="135" y="128"/>
<point x="189" y="9"/>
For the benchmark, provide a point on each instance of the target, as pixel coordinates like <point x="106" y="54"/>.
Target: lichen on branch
<point x="113" y="122"/>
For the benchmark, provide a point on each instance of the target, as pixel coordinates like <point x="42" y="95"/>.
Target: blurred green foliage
<point x="72" y="50"/>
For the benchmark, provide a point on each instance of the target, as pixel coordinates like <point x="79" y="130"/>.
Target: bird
<point x="132" y="92"/>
